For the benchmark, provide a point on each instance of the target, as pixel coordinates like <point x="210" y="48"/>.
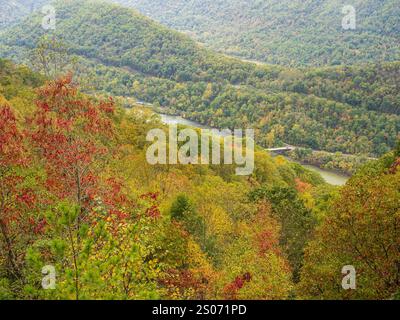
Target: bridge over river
<point x="329" y="176"/>
<point x="281" y="149"/>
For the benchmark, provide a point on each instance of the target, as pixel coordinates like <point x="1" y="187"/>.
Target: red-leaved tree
<point x="70" y="133"/>
<point x="17" y="199"/>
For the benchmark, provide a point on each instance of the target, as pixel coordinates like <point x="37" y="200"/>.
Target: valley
<point x="284" y="32"/>
<point x="349" y="110"/>
<point x="90" y="207"/>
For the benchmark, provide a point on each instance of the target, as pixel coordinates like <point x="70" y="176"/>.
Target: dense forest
<point x="79" y="199"/>
<point x="78" y="194"/>
<point x="285" y="32"/>
<point x="352" y="110"/>
<point x="13" y="10"/>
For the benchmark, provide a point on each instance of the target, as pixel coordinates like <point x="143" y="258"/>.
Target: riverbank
<point x="333" y="177"/>
<point x="330" y="176"/>
<point x="336" y="162"/>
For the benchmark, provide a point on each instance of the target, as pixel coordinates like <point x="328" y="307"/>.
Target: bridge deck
<point x="281" y="149"/>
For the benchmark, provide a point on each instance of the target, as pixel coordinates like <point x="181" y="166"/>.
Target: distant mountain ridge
<point x="286" y="32"/>
<point x="120" y="37"/>
<point x="11" y="11"/>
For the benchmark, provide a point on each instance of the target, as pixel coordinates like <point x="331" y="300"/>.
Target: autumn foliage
<point x="67" y="130"/>
<point x="77" y="193"/>
<point x="362" y="231"/>
<point x="17" y="198"/>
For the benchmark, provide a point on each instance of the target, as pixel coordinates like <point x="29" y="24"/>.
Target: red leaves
<point x="68" y="132"/>
<point x="266" y="231"/>
<point x="150" y="195"/>
<point x="185" y="284"/>
<point x="115" y="189"/>
<point x="27" y="197"/>
<point x="11" y="147"/>
<point x="395" y="166"/>
<point x="38" y="226"/>
<point x="107" y="107"/>
<point x="61" y="99"/>
<point x="18" y="201"/>
<point x="231" y="290"/>
<point x="267" y="242"/>
<point x="116" y="200"/>
<point x="301" y="186"/>
<point x="153" y="211"/>
<point x="64" y="124"/>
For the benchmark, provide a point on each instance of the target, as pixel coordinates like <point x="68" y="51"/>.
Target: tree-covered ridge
<point x="296" y="119"/>
<point x="373" y="86"/>
<point x="79" y="195"/>
<point x="345" y="109"/>
<point x="120" y="37"/>
<point x="360" y="229"/>
<point x="294" y="33"/>
<point x="14" y="10"/>
<point x="117" y="36"/>
<point x="13" y="77"/>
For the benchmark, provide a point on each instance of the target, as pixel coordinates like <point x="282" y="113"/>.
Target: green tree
<point x="296" y="220"/>
<point x="359" y="230"/>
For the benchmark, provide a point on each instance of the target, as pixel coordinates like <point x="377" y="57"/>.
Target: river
<point x="330" y="177"/>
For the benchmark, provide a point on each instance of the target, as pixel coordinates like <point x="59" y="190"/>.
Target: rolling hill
<point x="14" y="10"/>
<point x="339" y="109"/>
<point x="286" y="32"/>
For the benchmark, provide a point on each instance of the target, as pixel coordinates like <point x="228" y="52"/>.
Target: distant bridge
<point x="142" y="103"/>
<point x="282" y="149"/>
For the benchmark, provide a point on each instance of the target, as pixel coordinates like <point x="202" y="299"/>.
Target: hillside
<point x="116" y="36"/>
<point x="343" y="109"/>
<point x="81" y="189"/>
<point x="14" y="10"/>
<point x="79" y="197"/>
<point x="289" y="33"/>
<point x="286" y="32"/>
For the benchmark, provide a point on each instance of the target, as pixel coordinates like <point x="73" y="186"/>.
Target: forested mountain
<point x="14" y="10"/>
<point x="121" y="37"/>
<point x="286" y="32"/>
<point x="294" y="33"/>
<point x="347" y="109"/>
